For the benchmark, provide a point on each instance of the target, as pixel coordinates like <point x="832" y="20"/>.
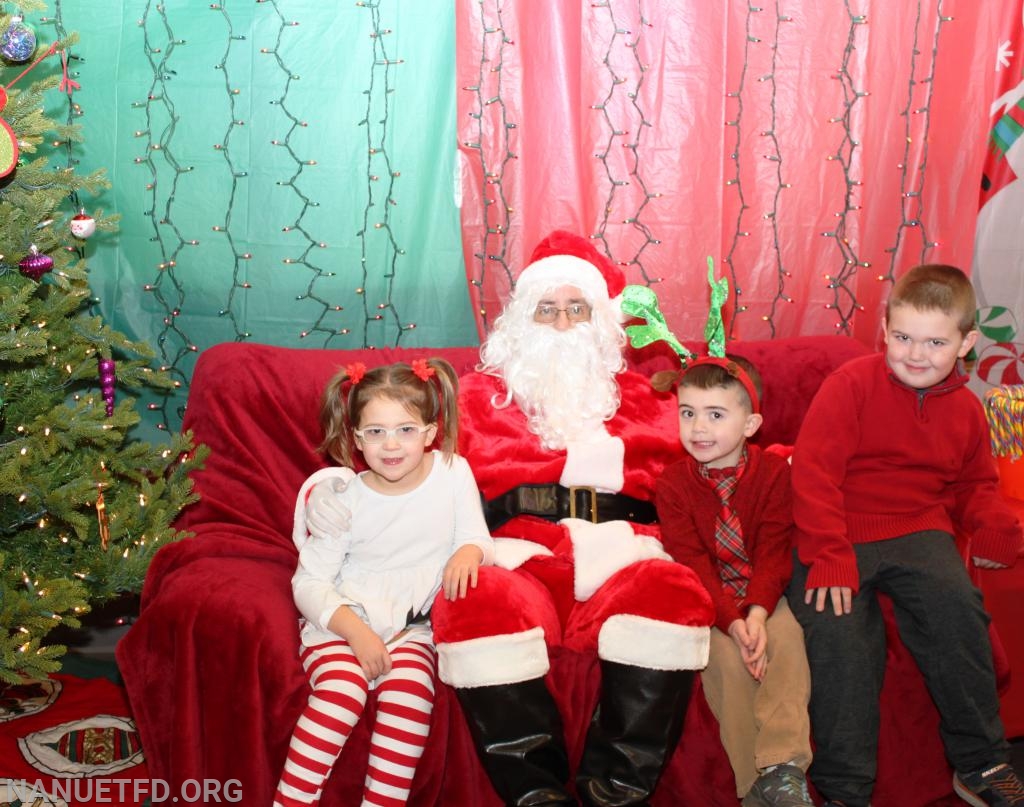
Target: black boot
<point x="517" y="732"/>
<point x="635" y="729"/>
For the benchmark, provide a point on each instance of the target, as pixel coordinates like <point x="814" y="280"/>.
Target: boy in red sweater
<point x="725" y="511"/>
<point x="892" y="458"/>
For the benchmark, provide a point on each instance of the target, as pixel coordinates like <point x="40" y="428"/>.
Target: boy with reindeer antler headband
<point x="725" y="511"/>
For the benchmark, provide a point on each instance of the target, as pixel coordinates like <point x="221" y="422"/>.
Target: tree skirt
<point x="70" y="741"/>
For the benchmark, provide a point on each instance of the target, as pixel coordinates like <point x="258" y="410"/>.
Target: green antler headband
<point x="642" y="302"/>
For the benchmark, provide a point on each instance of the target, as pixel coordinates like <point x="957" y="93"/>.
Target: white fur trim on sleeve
<point x="492" y="660"/>
<point x="643" y="642"/>
<point x="511" y="553"/>
<point x="600" y="550"/>
<point x="299" y="532"/>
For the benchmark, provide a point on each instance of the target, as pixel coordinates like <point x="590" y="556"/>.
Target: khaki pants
<point x="766" y="723"/>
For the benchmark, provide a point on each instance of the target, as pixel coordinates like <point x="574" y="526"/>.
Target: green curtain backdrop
<point x="284" y="172"/>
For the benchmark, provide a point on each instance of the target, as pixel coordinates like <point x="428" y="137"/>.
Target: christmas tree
<point x="83" y="507"/>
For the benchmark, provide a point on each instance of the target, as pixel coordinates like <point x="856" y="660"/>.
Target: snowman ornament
<point x="82" y="224"/>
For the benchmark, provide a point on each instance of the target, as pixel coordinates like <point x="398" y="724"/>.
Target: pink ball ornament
<point x="82" y="224"/>
<point x="36" y="264"/>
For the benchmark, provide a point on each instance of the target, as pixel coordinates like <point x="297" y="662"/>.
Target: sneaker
<point x="997" y="786"/>
<point x="782" y="786"/>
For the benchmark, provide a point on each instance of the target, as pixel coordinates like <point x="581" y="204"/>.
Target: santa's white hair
<point x="563" y="381"/>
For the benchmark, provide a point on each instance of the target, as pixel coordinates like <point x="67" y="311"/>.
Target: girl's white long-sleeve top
<point x="388" y="566"/>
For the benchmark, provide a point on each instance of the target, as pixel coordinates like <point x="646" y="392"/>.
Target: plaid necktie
<point x="733" y="563"/>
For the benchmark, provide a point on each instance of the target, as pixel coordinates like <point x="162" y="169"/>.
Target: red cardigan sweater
<point x="687" y="506"/>
<point x="876" y="459"/>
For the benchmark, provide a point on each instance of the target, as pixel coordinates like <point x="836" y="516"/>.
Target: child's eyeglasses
<point x="378" y="434"/>
<point x="577" y="312"/>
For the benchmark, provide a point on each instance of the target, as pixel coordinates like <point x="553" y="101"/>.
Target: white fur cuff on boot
<point x="643" y="642"/>
<point x="490" y="660"/>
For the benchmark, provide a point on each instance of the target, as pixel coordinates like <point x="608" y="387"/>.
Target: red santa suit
<point x="608" y="586"/>
<point x="578" y="560"/>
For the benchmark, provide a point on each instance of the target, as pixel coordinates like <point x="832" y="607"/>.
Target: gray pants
<point x="943" y="624"/>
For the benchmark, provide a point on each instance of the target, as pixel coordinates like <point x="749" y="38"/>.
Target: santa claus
<point x="566" y="446"/>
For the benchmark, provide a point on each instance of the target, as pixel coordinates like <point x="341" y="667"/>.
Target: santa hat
<point x="567" y="259"/>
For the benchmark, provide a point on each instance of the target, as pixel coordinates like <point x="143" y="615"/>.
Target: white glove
<point x="326" y="514"/>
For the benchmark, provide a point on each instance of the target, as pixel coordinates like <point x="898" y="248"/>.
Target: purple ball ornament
<point x="36" y="264"/>
<point x="18" y="42"/>
<point x="107" y="382"/>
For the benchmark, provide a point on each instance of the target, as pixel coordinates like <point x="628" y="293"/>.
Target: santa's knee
<point x="498" y="633"/>
<point x="659" y="589"/>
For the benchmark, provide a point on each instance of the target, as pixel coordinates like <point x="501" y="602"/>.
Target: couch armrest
<point x="211" y="668"/>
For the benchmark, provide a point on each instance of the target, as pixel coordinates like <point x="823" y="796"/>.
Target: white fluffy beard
<point x="564" y="381"/>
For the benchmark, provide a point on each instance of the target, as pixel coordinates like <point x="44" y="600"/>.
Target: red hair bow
<point x="355" y="372"/>
<point x="421" y="369"/>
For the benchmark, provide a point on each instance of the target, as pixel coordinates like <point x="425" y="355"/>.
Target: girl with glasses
<point x="365" y="593"/>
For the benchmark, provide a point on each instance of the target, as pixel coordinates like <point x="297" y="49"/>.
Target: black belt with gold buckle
<point x="555" y="502"/>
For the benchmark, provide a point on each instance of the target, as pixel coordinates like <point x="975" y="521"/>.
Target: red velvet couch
<point x="211" y="664"/>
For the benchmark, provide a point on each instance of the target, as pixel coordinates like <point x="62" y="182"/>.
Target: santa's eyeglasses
<point x="577" y="312"/>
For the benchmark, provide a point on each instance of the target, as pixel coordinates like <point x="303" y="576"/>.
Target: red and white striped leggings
<point x="405" y="698"/>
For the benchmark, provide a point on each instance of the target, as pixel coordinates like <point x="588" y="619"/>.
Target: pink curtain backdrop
<point x="814" y="149"/>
